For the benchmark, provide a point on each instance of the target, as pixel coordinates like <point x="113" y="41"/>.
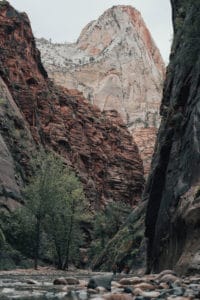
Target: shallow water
<point x="16" y="287"/>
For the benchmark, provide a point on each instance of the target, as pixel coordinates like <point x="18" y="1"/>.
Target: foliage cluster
<point x="106" y="224"/>
<point x="48" y="225"/>
<point x="125" y="248"/>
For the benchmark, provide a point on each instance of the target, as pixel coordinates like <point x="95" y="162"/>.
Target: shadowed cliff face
<point x="96" y="144"/>
<point x="173" y="219"/>
<point x="16" y="148"/>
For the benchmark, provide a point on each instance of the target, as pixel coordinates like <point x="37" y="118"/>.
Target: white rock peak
<point x="115" y="63"/>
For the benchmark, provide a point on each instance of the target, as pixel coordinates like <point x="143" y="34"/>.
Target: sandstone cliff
<point x="97" y="145"/>
<point x="117" y="65"/>
<point x="173" y="219"/>
<point x="16" y="146"/>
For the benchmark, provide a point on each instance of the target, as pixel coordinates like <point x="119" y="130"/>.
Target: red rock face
<point x="145" y="140"/>
<point x="98" y="146"/>
<point x="116" y="64"/>
<point x="145" y="35"/>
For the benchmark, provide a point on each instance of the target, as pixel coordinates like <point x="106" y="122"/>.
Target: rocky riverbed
<point x="23" y="285"/>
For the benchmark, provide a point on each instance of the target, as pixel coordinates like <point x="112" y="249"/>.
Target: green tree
<point x="63" y="222"/>
<point x="18" y="230"/>
<point x="106" y="225"/>
<point x="54" y="198"/>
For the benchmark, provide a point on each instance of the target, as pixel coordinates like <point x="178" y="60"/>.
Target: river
<point x="16" y="286"/>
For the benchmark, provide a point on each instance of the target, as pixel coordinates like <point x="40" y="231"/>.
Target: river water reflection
<point x="16" y="287"/>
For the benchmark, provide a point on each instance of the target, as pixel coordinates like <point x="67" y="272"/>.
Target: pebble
<point x="166" y="272"/>
<point x="65" y="288"/>
<point x="128" y="290"/>
<point x="118" y="297"/>
<point x="135" y="280"/>
<point x="100" y="280"/>
<point x="131" y="281"/>
<point x="179" y="298"/>
<point x="164" y="285"/>
<point x="116" y="284"/>
<point x="169" y="278"/>
<point x="152" y="294"/>
<point x="83" y="283"/>
<point x="60" y="281"/>
<point x="92" y="291"/>
<point x="195" y="279"/>
<point x="61" y="295"/>
<point x="178" y="291"/>
<point x="125" y="281"/>
<point x="194" y="286"/>
<point x="31" y="281"/>
<point x="72" y="280"/>
<point x="145" y="286"/>
<point x="101" y="289"/>
<point x="137" y="292"/>
<point x="165" y="293"/>
<point x="8" y="290"/>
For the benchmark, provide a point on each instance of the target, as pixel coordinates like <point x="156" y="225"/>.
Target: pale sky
<point x="63" y="20"/>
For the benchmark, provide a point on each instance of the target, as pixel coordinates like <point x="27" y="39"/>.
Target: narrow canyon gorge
<point x="128" y="128"/>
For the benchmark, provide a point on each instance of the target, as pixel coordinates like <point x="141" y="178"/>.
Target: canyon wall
<point x="16" y="148"/>
<point x="97" y="145"/>
<point x="116" y="64"/>
<point x="172" y="191"/>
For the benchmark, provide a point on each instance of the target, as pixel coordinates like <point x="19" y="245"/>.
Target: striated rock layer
<point x="145" y="140"/>
<point x="116" y="64"/>
<point x="96" y="144"/>
<point x="16" y="148"/>
<point x="173" y="213"/>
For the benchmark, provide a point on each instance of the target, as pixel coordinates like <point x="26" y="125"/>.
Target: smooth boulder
<point x="72" y="280"/>
<point x="60" y="281"/>
<point x="100" y="281"/>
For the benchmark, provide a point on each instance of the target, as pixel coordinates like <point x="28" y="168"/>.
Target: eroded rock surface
<point x="173" y="219"/>
<point x="97" y="145"/>
<point x="145" y="139"/>
<point x="116" y="64"/>
<point x="16" y="146"/>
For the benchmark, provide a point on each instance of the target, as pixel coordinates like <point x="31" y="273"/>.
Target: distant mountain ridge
<point x="116" y="64"/>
